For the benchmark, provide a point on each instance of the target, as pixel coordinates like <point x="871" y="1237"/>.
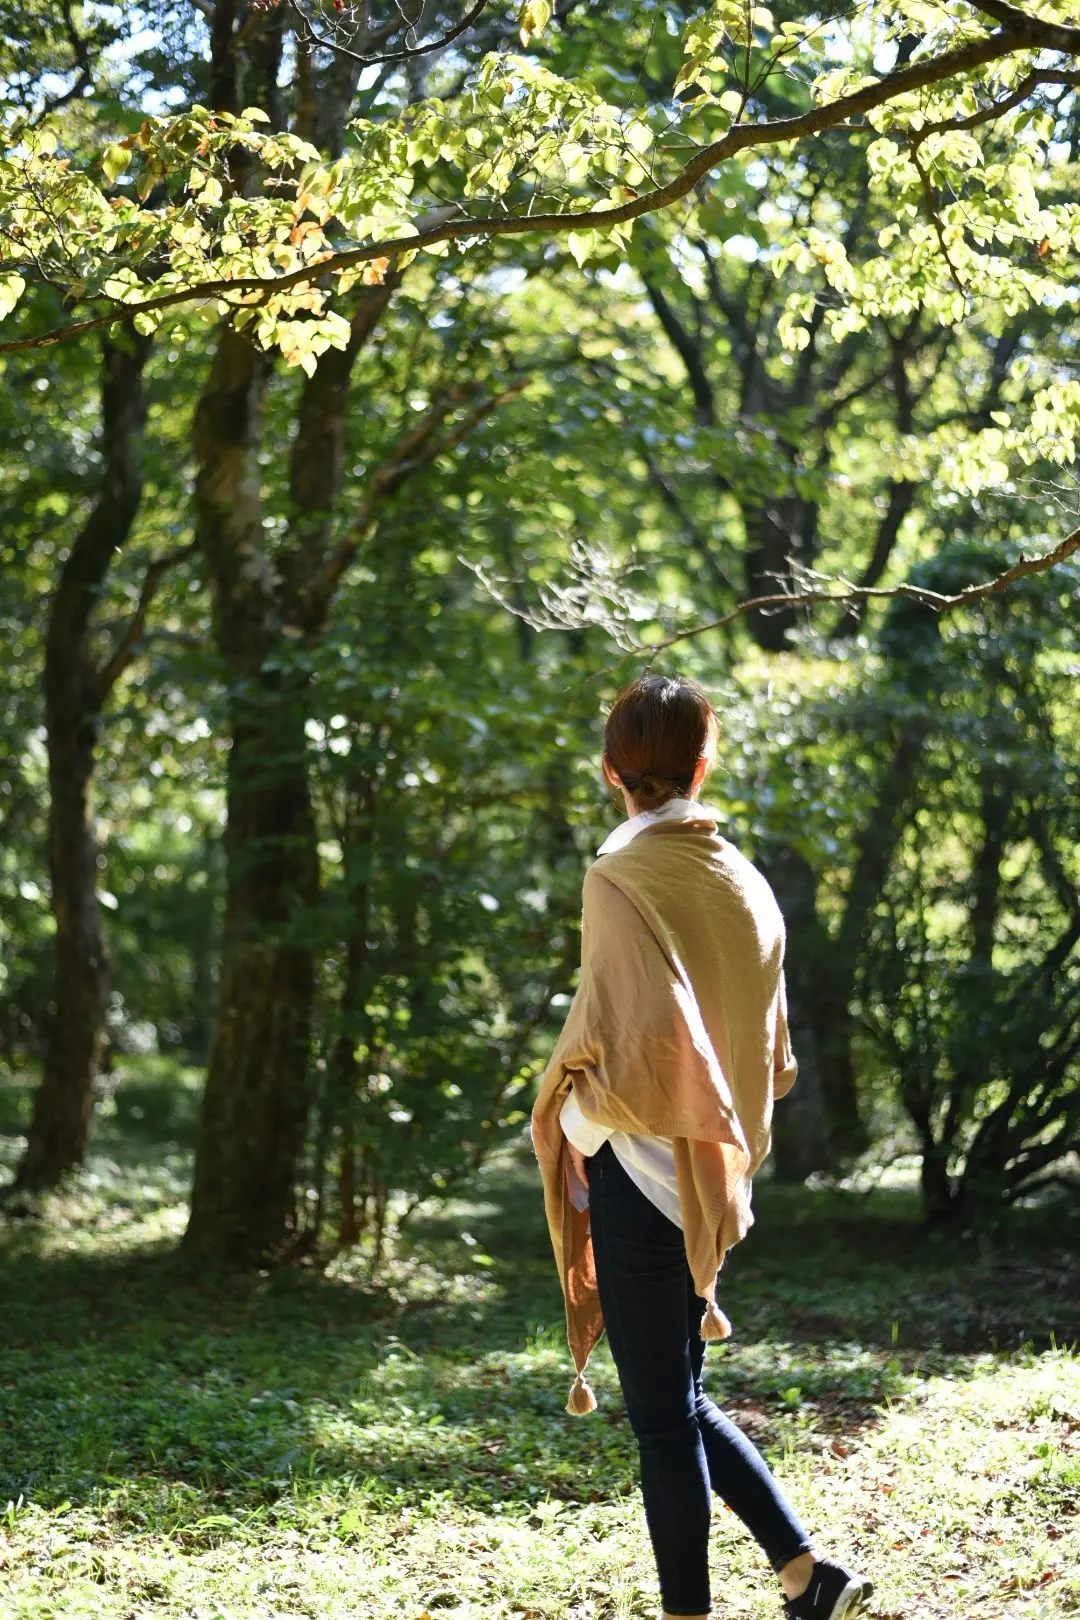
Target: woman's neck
<point x="634" y="809"/>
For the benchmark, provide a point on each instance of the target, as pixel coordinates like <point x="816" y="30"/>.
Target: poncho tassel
<point x="581" y="1399"/>
<point x="714" y="1324"/>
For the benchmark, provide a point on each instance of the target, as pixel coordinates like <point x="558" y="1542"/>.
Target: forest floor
<point x="305" y="1443"/>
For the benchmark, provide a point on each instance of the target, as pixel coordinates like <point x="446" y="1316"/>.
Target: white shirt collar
<point x="678" y="809"/>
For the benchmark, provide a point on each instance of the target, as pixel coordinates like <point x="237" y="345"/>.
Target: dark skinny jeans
<point x="685" y="1442"/>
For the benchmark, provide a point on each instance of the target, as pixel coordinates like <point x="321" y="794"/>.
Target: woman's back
<point x="715" y="921"/>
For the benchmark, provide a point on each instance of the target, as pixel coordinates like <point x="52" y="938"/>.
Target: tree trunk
<point x="782" y="532"/>
<point x="804" y="1138"/>
<point x="940" y="1200"/>
<point x="255" y="1101"/>
<point x="64" y="1100"/>
<point x="264" y="596"/>
<point x="255" y="1105"/>
<point x="75" y="688"/>
<point x="348" y="1221"/>
<point x="358" y="855"/>
<point x="824" y="1129"/>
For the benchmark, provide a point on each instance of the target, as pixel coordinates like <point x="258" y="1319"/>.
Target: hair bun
<point x="668" y="721"/>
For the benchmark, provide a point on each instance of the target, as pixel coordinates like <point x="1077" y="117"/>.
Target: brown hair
<point x="657" y="730"/>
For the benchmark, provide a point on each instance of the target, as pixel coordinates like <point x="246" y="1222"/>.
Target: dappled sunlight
<point x="302" y="1443"/>
<point x="947" y="1501"/>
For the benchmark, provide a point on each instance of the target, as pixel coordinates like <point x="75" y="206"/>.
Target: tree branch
<point x="733" y="312"/>
<point x="1053" y="867"/>
<point x="928" y="195"/>
<point x="84" y="79"/>
<point x="741" y="138"/>
<point x="996" y="109"/>
<point x="1033" y="31"/>
<point x="109" y="673"/>
<point x="417" y="448"/>
<point x="688" y="350"/>
<point x="901" y="498"/>
<point x="813" y="596"/>
<point x="404" y="55"/>
<point x="670" y="497"/>
<point x="914" y="593"/>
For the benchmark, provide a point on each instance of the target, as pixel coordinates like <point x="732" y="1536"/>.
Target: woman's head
<point x="659" y="739"/>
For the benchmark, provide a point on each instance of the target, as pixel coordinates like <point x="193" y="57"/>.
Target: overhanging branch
<point x="849" y="593"/>
<point x="741" y="138"/>
<point x="996" y="109"/>
<point x="1034" y="31"/>
<point x="836" y="591"/>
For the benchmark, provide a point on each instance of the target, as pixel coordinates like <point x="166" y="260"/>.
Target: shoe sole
<point x="852" y="1598"/>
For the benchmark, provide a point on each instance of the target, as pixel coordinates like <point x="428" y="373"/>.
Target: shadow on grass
<point x="831" y="1266"/>
<point x="127" y="1372"/>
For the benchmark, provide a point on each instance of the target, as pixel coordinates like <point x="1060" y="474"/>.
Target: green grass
<point x="308" y="1444"/>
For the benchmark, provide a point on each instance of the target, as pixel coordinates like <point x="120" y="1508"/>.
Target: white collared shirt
<point x="674" y="810"/>
<point x="649" y="1161"/>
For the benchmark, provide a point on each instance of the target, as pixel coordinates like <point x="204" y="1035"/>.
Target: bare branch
<point x="109" y="672"/>
<point x="864" y="593"/>
<point x="830" y="590"/>
<point x="404" y="55"/>
<point x="600" y="595"/>
<point x="740" y="138"/>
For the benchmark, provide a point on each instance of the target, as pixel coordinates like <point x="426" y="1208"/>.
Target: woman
<point x="653" y="1115"/>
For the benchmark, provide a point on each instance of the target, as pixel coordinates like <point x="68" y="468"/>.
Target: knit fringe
<point x="714" y="1324"/>
<point x="581" y="1399"/>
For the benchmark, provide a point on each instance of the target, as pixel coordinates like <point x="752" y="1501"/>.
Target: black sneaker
<point x="834" y="1593"/>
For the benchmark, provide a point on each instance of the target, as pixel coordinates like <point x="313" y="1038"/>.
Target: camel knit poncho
<point x="678" y="1029"/>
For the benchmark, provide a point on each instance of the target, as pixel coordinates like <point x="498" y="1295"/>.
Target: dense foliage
<point x="322" y="552"/>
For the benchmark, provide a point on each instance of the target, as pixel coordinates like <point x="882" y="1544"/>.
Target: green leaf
<point x="350" y="1523"/>
<point x="533" y="18"/>
<point x="581" y="244"/>
<point x="114" y="160"/>
<point x="639" y="136"/>
<point x="12" y="287"/>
